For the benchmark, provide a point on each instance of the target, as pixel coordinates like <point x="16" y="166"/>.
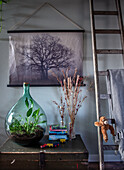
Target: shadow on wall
<point x="3" y="135"/>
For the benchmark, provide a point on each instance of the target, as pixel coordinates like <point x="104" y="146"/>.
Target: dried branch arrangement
<point x="71" y="89"/>
<point x="61" y="108"/>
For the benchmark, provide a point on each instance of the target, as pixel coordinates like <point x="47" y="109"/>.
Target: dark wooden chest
<point x="70" y="155"/>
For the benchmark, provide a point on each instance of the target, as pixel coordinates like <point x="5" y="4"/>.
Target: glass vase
<point x="26" y="121"/>
<point x="71" y="131"/>
<point x="62" y="123"/>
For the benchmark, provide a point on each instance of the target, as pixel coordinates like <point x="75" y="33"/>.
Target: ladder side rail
<point x="110" y="104"/>
<point x="96" y="81"/>
<point x="120" y="22"/>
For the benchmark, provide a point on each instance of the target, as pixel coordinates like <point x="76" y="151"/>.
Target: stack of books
<point x="56" y="132"/>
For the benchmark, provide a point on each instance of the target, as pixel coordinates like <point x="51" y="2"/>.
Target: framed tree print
<point x="34" y="55"/>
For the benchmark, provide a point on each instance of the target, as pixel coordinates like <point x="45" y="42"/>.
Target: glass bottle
<point x="26" y="121"/>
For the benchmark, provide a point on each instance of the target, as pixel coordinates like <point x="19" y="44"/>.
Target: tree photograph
<point x="34" y="56"/>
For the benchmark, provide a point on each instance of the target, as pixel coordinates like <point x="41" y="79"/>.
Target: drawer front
<point x="66" y="157"/>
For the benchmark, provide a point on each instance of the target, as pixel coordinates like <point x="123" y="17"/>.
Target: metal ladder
<point x="97" y="73"/>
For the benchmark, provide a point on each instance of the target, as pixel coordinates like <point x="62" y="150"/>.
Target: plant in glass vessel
<point x="29" y="126"/>
<point x="26" y="121"/>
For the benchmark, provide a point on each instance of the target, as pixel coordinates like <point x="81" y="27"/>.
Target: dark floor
<point x="110" y="165"/>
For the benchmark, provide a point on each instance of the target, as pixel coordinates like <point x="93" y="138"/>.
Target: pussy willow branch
<point x="71" y="93"/>
<point x="61" y="107"/>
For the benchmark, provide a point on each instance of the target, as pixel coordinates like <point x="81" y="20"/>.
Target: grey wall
<point x="78" y="10"/>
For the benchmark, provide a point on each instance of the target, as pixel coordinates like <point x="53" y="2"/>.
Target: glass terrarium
<point x="26" y="121"/>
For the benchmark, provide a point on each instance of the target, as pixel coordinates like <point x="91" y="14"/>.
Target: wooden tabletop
<point x="74" y="146"/>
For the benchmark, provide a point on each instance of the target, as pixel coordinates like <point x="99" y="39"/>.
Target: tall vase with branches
<point x="72" y="93"/>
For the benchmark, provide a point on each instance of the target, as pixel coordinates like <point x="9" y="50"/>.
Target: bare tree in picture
<point x="46" y="52"/>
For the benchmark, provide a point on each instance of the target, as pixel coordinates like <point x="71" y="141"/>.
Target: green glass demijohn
<point x="26" y="122"/>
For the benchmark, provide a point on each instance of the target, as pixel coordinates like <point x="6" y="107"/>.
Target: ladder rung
<point x="110" y="51"/>
<point x="103" y="73"/>
<point x="107" y="31"/>
<point x="112" y="121"/>
<point x="105" y="13"/>
<point x="110" y="147"/>
<point x="105" y="96"/>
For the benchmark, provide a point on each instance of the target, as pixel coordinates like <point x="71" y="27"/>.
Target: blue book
<point x="56" y="137"/>
<point x="57" y="128"/>
<point x="57" y="132"/>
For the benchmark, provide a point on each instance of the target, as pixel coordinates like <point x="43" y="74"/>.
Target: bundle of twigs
<point x="61" y="108"/>
<point x="71" y="89"/>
